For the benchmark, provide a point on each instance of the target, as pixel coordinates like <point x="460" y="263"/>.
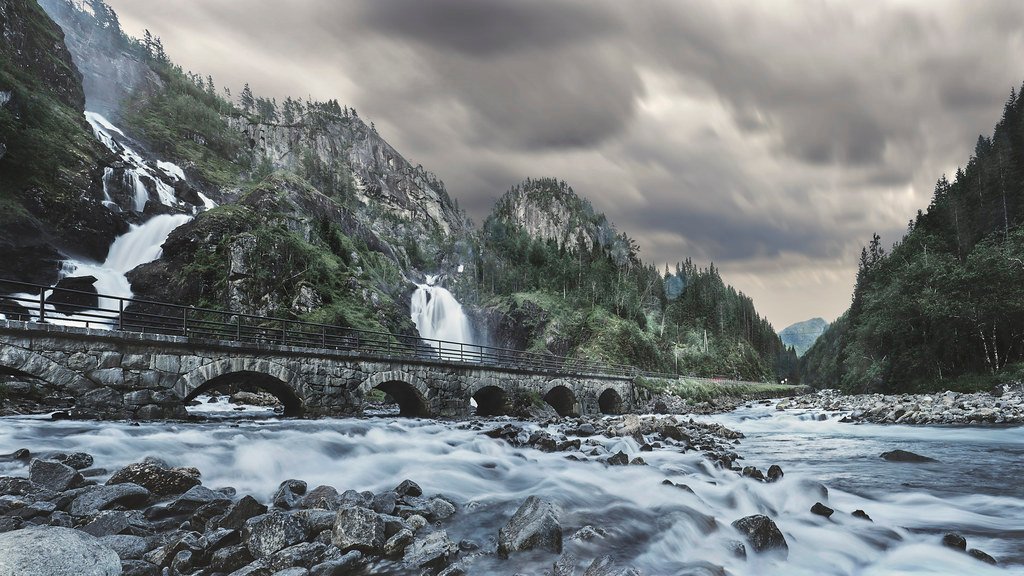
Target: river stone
<point x="55" y="551"/>
<point x="77" y="460"/>
<point x="159" y="480"/>
<point x="619" y="459"/>
<point x="408" y="488"/>
<point x="905" y="456"/>
<point x="294" y="571"/>
<point x="315" y="521"/>
<point x="775" y="473"/>
<point x="762" y="533"/>
<point x="303" y="554"/>
<point x="605" y="566"/>
<point x="138" y="568"/>
<point x="274" y="531"/>
<point x="247" y="507"/>
<point x="101" y="497"/>
<point x="358" y="528"/>
<point x="53" y="475"/>
<point x="337" y="566"/>
<point x="196" y="497"/>
<point x="821" y="510"/>
<point x="435" y="550"/>
<point x="107" y="523"/>
<point x="979" y="555"/>
<point x="289" y="494"/>
<point x="861" y="514"/>
<point x="397" y="543"/>
<point x="126" y="546"/>
<point x="231" y="558"/>
<point x="324" y="497"/>
<point x="534" y="525"/>
<point x="954" y="541"/>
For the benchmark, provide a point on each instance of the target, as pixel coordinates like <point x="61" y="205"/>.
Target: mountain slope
<point x="944" y="308"/>
<point x="802" y="335"/>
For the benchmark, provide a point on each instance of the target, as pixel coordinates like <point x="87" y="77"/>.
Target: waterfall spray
<point x="439" y="316"/>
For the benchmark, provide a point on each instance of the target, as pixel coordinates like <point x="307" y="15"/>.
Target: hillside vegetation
<point x="945" y="307"/>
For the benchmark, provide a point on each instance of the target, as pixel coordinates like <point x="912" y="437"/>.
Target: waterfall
<point x="439" y="316"/>
<point x="142" y="243"/>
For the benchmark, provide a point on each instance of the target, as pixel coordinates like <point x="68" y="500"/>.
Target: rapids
<point x="658" y="529"/>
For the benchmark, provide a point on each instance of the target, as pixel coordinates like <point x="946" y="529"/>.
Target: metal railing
<point x="45" y="304"/>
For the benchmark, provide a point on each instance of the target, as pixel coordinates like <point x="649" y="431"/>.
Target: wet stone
<point x="821" y="510"/>
<point x="534" y="526"/>
<point x="762" y="533"/>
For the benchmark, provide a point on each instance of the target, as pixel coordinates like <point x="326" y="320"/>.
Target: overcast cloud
<point x="769" y="137"/>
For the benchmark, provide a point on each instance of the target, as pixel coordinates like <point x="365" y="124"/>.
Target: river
<point x="974" y="489"/>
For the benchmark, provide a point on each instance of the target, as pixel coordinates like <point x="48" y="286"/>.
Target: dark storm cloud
<point x="484" y="28"/>
<point x="759" y="135"/>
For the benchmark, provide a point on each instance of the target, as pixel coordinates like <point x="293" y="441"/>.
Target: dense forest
<point x="944" y="308"/>
<point x="603" y="301"/>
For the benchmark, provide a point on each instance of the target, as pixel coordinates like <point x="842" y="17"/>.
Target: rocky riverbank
<point x="1004" y="405"/>
<point x="149" y="518"/>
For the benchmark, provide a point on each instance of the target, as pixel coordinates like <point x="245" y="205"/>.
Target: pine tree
<point x="246" y="101"/>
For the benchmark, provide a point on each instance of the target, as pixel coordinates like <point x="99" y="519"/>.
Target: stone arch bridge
<point x="114" y="374"/>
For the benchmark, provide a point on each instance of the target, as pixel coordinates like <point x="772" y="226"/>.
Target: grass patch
<point x="700" y="390"/>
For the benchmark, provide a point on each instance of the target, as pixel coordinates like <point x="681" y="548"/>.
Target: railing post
<point x="120" y="314"/>
<point x="323" y="337"/>
<point x="184" y="322"/>
<point x="238" y="328"/>
<point x="42" y="305"/>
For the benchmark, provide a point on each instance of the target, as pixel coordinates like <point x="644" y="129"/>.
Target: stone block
<point x="109" y="359"/>
<point x="107" y="376"/>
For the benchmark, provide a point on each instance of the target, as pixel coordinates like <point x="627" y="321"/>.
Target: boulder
<point x="534" y="526"/>
<point x="762" y="533"/>
<point x="605" y="566"/>
<point x="861" y="514"/>
<point x="821" y="510"/>
<point x="53" y="475"/>
<point x="55" y="551"/>
<point x="979" y="555"/>
<point x="324" y="497"/>
<point x="161" y="481"/>
<point x="234" y="519"/>
<point x="126" y="546"/>
<point x="358" y="528"/>
<point x="289" y="494"/>
<point x="435" y="550"/>
<point x="195" y="498"/>
<point x="619" y="459"/>
<point x="99" y="498"/>
<point x="774" y="473"/>
<point x="954" y="541"/>
<point x="72" y="294"/>
<point x="408" y="488"/>
<point x="266" y="534"/>
<point x="905" y="456"/>
<point x="77" y="460"/>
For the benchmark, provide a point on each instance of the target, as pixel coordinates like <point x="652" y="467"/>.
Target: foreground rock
<point x="762" y="533"/>
<point x="534" y="526"/>
<point x="1004" y="405"/>
<point x="905" y="456"/>
<point x="55" y="551"/>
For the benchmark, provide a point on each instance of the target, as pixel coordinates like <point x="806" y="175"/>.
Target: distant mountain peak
<point x="802" y="335"/>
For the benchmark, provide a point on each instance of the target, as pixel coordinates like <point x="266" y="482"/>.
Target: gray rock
<point x="53" y="475"/>
<point x="408" y="488"/>
<point x="565" y="565"/>
<point x="247" y="507"/>
<point x="101" y="497"/>
<point x="289" y="494"/>
<point x="774" y="473"/>
<point x="905" y="456"/>
<point x="397" y="543"/>
<point x="77" y="460"/>
<point x="159" y="480"/>
<point x="435" y="550"/>
<point x="325" y="497"/>
<point x="304" y="554"/>
<point x="337" y="566"/>
<point x="107" y="523"/>
<point x="295" y="571"/>
<point x="194" y="498"/>
<point x="979" y="555"/>
<point x="126" y="546"/>
<point x="821" y="510"/>
<point x="358" y="528"/>
<point x="762" y="533"/>
<point x="315" y="521"/>
<point x="534" y="526"/>
<point x="439" y="509"/>
<point x="954" y="541"/>
<point x="138" y="568"/>
<point x="231" y="558"/>
<point x="384" y="503"/>
<point x="605" y="566"/>
<point x="55" y="551"/>
<point x="164" y="556"/>
<point x="274" y="531"/>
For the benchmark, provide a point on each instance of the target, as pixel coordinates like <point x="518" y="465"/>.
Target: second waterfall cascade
<point x="439" y="316"/>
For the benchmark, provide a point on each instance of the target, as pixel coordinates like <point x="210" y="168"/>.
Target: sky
<point x="769" y="137"/>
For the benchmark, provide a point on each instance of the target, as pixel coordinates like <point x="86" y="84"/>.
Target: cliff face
<point x="397" y="199"/>
<point x="49" y="190"/>
<point x="802" y="335"/>
<point x="110" y="72"/>
<point x="547" y="209"/>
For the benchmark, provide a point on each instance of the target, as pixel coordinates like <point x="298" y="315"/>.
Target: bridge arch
<point x="561" y="395"/>
<point x="271" y="377"/>
<point x="610" y="401"/>
<point x="409" y="392"/>
<point x="491" y="399"/>
<point x="15" y="361"/>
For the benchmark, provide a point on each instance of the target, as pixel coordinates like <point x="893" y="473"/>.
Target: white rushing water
<point x="439" y="316"/>
<point x="660" y="530"/>
<point x="140" y="244"/>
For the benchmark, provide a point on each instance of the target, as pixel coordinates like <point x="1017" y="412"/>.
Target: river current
<point x="975" y="489"/>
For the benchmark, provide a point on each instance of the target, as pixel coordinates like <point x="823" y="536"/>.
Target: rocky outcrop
<point x="548" y="209"/>
<point x="534" y="526"/>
